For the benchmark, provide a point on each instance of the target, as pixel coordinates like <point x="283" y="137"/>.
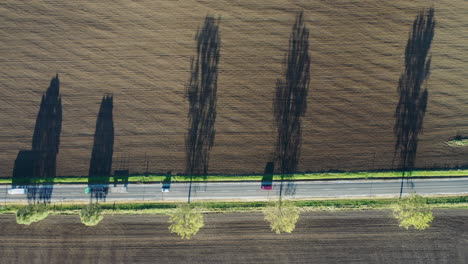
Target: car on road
<point x="119" y="189"/>
<point x="166" y="187"/>
<point x="267" y="185"/>
<point x="267" y="179"/>
<point x="97" y="188"/>
<point x="17" y="191"/>
<point x="166" y="183"/>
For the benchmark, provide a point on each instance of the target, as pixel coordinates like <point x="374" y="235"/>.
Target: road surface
<point x="252" y="190"/>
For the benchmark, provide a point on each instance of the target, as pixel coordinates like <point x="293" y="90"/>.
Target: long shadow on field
<point x="103" y="148"/>
<point x="25" y="173"/>
<point x="201" y="94"/>
<point x="46" y="138"/>
<point x="26" y="168"/>
<point x="290" y="102"/>
<point x="36" y="168"/>
<point x="411" y="108"/>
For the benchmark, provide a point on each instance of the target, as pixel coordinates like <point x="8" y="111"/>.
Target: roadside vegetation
<point x="413" y="212"/>
<point x="282" y="216"/>
<point x="222" y="207"/>
<point x="91" y="215"/>
<point x="32" y="213"/>
<point x="458" y="141"/>
<point x="186" y="221"/>
<point x="151" y="178"/>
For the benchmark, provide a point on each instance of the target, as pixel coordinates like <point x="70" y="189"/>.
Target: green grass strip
<point x="458" y="142"/>
<point x="227" y="178"/>
<point x="161" y="207"/>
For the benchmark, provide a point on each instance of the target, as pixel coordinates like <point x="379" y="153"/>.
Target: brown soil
<point x="320" y="237"/>
<point x="140" y="51"/>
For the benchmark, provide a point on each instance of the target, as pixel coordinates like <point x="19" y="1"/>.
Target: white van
<point x="17" y="191"/>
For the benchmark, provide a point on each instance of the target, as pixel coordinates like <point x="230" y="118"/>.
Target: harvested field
<point x="320" y="237"/>
<point x="140" y="52"/>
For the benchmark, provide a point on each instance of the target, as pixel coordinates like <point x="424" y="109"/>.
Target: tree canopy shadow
<point x="290" y="102"/>
<point x="103" y="148"/>
<point x="46" y="138"/>
<point x="202" y="95"/>
<point x="25" y="173"/>
<point x="38" y="165"/>
<point x="26" y="168"/>
<point x="411" y="107"/>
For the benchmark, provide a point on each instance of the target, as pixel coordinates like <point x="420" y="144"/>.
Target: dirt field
<point x="325" y="237"/>
<point x="140" y="51"/>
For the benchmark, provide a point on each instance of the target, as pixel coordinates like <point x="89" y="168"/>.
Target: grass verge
<point x="233" y="178"/>
<point x="305" y="205"/>
<point x="458" y="142"/>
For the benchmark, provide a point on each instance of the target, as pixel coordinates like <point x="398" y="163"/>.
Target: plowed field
<point x="140" y="51"/>
<point x="320" y="237"/>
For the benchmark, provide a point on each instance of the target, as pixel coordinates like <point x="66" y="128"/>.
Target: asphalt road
<point x="252" y="190"/>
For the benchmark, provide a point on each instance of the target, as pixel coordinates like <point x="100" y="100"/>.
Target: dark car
<point x="166" y="184"/>
<point x="166" y="187"/>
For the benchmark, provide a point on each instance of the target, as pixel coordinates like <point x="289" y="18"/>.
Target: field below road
<point x="320" y="237"/>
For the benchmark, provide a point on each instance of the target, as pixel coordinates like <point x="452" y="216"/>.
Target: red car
<point x="267" y="185"/>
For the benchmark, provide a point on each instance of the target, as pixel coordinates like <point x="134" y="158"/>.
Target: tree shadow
<point x="290" y="102"/>
<point x="46" y="138"/>
<point x="121" y="177"/>
<point x="37" y="167"/>
<point x="290" y="189"/>
<point x="103" y="148"/>
<point x="411" y="107"/>
<point x="26" y="172"/>
<point x="201" y="93"/>
<point x="26" y="168"/>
